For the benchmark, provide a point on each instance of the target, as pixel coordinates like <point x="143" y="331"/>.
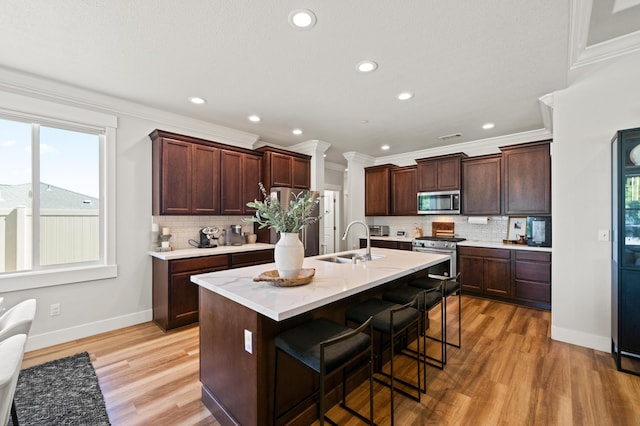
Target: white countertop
<point x="197" y="252"/>
<point x="392" y="238"/>
<point x="491" y="244"/>
<point x="332" y="281"/>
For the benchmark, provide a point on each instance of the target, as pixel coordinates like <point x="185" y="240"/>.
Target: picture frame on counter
<point x="517" y="227"/>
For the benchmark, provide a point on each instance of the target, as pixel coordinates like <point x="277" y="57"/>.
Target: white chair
<point x="18" y="319"/>
<point x="11" y="353"/>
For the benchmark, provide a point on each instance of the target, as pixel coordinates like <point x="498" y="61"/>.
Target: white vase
<point x="288" y="255"/>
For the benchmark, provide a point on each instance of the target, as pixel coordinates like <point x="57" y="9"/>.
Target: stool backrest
<point x="18" y="319"/>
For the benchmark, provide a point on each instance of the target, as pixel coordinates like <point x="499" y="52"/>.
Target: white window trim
<point x="18" y="106"/>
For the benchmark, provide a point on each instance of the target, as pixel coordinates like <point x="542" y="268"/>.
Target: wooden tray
<point x="304" y="277"/>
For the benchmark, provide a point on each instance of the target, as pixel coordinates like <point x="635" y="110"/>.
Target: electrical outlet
<point x="248" y="343"/>
<point x="603" y="235"/>
<point x="54" y="309"/>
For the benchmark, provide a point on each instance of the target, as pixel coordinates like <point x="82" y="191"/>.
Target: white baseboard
<point x="51" y="338"/>
<point x="599" y="343"/>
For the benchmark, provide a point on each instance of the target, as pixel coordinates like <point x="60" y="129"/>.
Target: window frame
<point x="22" y="108"/>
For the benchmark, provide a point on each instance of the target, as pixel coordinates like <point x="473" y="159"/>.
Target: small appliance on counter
<point x="207" y="237"/>
<point x="233" y="236"/>
<point x="378" y="230"/>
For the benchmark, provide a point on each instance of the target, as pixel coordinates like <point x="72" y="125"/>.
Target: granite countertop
<point x="196" y="252"/>
<point x="493" y="244"/>
<point x="332" y="281"/>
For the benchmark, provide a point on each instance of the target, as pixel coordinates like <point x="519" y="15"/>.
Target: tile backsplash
<point x="184" y="228"/>
<point x="495" y="230"/>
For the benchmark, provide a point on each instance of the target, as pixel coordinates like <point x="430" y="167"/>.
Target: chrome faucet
<point x="366" y="227"/>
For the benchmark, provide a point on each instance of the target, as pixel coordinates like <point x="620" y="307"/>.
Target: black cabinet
<point x="625" y="250"/>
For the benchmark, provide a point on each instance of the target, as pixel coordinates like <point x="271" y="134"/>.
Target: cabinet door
<point x="175" y="191"/>
<point x="404" y="191"/>
<point x="252" y="172"/>
<point x="427" y="175"/>
<point x="231" y="191"/>
<point x="205" y="196"/>
<point x="526" y="175"/>
<point x="280" y="170"/>
<point x="481" y="186"/>
<point x="183" y="300"/>
<point x="448" y="174"/>
<point x="497" y="276"/>
<point x="472" y="273"/>
<point x="376" y="191"/>
<point x="301" y="173"/>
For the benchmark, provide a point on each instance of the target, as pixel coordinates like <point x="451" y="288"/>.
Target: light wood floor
<point x="508" y="372"/>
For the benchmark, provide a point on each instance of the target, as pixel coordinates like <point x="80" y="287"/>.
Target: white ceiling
<point x="468" y="63"/>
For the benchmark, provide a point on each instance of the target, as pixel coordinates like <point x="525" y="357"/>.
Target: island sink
<point x="349" y="258"/>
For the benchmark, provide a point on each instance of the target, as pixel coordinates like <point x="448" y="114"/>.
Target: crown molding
<point x="357" y="157"/>
<point x="546" y="109"/>
<point x="30" y="85"/>
<point x="472" y="149"/>
<point x="311" y="147"/>
<point x="579" y="53"/>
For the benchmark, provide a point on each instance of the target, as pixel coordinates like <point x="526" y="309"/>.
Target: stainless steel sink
<point x="349" y="258"/>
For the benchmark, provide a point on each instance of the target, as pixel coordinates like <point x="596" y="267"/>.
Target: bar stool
<point x="448" y="286"/>
<point x="393" y="320"/>
<point x="325" y="346"/>
<point x="427" y="300"/>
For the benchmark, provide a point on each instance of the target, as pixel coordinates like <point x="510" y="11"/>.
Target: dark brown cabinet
<point x="390" y="244"/>
<point x="487" y="271"/>
<point x="403" y="191"/>
<point x="377" y="181"/>
<point x="517" y="276"/>
<point x="175" y="298"/>
<point x="185" y="178"/>
<point x="285" y="168"/>
<point x="439" y="173"/>
<point x="526" y="177"/>
<point x="241" y="173"/>
<point x="481" y="185"/>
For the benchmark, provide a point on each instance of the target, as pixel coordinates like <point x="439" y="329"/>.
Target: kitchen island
<point x="239" y="319"/>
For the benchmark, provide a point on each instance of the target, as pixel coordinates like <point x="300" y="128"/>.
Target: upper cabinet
<point x="285" y="168"/>
<point x="526" y="177"/>
<point x="403" y="191"/>
<point x="481" y="185"/>
<point x="193" y="176"/>
<point x="377" y="181"/>
<point x="439" y="173"/>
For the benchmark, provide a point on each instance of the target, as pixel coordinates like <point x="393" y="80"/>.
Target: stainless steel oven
<point x="439" y="245"/>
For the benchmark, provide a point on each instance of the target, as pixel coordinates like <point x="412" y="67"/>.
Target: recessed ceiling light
<point x="385" y="147"/>
<point x="405" y="96"/>
<point x="324" y="155"/>
<point x="196" y="100"/>
<point x="346" y="170"/>
<point x="488" y="126"/>
<point x="254" y="118"/>
<point x="366" y="66"/>
<point x="296" y="131"/>
<point x="302" y="19"/>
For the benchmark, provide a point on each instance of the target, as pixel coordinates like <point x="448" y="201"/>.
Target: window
<point x="56" y="192"/>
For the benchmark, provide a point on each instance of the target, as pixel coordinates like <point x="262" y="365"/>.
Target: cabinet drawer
<point x="251" y="258"/>
<point x="539" y="292"/>
<point x="484" y="252"/>
<point x="384" y="244"/>
<point x="199" y="263"/>
<point x="535" y="256"/>
<point x="533" y="271"/>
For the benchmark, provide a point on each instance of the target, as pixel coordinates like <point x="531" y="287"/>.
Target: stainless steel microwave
<point x="443" y="202"/>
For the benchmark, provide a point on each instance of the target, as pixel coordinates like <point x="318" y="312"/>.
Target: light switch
<point x="248" y="344"/>
<point x="603" y="235"/>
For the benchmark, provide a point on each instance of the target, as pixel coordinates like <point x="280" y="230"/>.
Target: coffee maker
<point x="207" y="237"/>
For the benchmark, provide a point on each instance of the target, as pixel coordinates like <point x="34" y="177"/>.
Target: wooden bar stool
<point x="448" y="286"/>
<point x="326" y="347"/>
<point x="393" y="320"/>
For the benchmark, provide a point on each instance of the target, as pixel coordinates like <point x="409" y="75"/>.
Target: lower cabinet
<point x="518" y="276"/>
<point x="398" y="245"/>
<point x="175" y="297"/>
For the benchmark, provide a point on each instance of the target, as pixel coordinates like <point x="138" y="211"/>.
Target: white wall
<point x="600" y="100"/>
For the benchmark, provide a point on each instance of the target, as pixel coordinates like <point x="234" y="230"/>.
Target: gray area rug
<point x="60" y="392"/>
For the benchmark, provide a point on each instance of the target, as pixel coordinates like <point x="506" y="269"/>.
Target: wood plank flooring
<point x="508" y="372"/>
